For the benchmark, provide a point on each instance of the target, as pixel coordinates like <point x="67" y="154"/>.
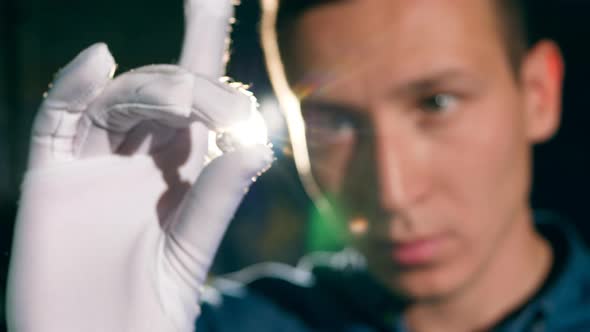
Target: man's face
<point x="417" y="124"/>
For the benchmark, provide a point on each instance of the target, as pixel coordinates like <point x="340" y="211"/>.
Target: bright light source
<point x="247" y="133"/>
<point x="250" y="132"/>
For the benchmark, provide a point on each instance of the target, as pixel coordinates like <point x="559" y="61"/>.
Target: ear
<point x="542" y="78"/>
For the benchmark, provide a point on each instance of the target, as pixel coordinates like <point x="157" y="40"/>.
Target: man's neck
<point x="511" y="277"/>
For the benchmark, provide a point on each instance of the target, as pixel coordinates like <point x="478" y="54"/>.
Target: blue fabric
<point x="333" y="293"/>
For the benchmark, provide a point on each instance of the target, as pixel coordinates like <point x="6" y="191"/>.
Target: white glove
<point x="120" y="218"/>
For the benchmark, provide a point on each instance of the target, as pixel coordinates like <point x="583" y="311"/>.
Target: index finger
<point x="206" y="37"/>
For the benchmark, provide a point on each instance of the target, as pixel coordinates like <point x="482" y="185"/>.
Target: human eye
<point x="327" y="125"/>
<point x="438" y="102"/>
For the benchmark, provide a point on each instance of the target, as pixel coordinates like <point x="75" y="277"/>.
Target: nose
<point x="402" y="160"/>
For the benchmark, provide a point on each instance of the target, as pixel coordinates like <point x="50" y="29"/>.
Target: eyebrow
<point x="329" y="105"/>
<point x="413" y="87"/>
<point x="434" y="81"/>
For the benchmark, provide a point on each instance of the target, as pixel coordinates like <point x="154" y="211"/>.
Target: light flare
<point x="246" y="133"/>
<point x="358" y="226"/>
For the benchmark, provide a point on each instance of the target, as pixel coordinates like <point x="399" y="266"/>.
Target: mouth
<point x="415" y="252"/>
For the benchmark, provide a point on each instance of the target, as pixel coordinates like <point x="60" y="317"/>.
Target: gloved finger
<point x="205" y="52"/>
<point x="162" y="93"/>
<point x="208" y="207"/>
<point x="166" y="94"/>
<point x="75" y="86"/>
<point x="219" y="105"/>
<point x="206" y="39"/>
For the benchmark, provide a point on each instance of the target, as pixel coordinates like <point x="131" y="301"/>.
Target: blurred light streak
<point x="289" y="103"/>
<point x="275" y="122"/>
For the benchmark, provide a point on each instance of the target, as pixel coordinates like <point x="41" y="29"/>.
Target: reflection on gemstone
<point x="225" y="141"/>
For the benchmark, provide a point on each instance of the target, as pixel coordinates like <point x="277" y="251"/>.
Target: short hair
<point x="515" y="23"/>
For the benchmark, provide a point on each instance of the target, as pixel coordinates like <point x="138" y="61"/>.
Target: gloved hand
<point x="120" y="216"/>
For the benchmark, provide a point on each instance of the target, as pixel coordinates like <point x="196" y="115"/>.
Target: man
<point x="420" y="120"/>
<point x="420" y="117"/>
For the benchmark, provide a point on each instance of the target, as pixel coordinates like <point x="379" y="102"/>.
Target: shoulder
<point x="572" y="304"/>
<point x="567" y="299"/>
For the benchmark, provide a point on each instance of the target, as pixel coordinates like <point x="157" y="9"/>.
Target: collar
<point x="560" y="293"/>
<point x="563" y="291"/>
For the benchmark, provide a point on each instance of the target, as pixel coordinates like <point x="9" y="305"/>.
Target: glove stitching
<point x="55" y="134"/>
<point x="103" y="114"/>
<point x="78" y="105"/>
<point x="184" y="270"/>
<point x="165" y="264"/>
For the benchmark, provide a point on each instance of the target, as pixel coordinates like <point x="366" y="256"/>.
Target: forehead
<point x="354" y="40"/>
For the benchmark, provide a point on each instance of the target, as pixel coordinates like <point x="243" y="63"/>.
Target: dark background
<point x="39" y="36"/>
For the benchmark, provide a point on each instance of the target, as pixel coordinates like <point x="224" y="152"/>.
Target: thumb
<point x="74" y="87"/>
<point x="209" y="206"/>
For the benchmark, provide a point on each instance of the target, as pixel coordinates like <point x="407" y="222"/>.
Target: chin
<point x="421" y="283"/>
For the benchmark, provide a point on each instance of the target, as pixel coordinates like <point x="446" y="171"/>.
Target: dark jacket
<point x="332" y="292"/>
